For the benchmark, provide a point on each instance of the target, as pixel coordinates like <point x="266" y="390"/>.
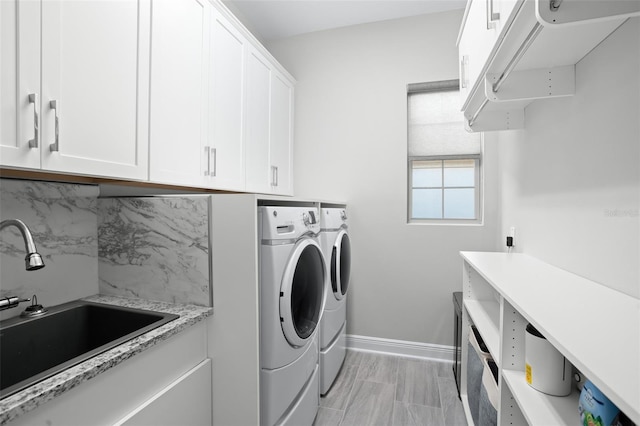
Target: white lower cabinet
<point x="185" y="402"/>
<point x="140" y="390"/>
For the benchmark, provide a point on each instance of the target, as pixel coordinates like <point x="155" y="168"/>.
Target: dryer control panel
<point x="333" y="218"/>
<point x="285" y="222"/>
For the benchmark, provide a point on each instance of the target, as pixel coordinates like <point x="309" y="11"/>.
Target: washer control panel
<point x="309" y="218"/>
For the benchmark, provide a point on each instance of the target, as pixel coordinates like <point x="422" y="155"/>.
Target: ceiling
<point x="276" y="19"/>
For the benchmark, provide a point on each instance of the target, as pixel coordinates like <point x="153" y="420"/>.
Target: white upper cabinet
<point x="171" y="92"/>
<point x="513" y="52"/>
<point x="228" y="123"/>
<point x="89" y="113"/>
<point x="268" y="127"/>
<point x="225" y="148"/>
<point x="19" y="84"/>
<point x="484" y="21"/>
<point x="281" y="135"/>
<point x="179" y="92"/>
<point x="257" y="122"/>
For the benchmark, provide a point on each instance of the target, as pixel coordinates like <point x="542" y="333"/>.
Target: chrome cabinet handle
<point x="491" y="15"/>
<point x="215" y="162"/>
<point x="55" y="146"/>
<point x="207" y="151"/>
<point x="463" y="71"/>
<point x="274" y="175"/>
<point x="33" y="99"/>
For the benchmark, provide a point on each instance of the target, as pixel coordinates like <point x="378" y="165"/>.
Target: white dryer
<point x="336" y="248"/>
<point x="292" y="293"/>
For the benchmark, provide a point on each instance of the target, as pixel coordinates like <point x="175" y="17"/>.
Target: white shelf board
<point x="485" y="314"/>
<point x="595" y="327"/>
<point x="539" y="408"/>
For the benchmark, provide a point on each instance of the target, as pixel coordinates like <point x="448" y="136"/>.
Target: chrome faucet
<point x="33" y="260"/>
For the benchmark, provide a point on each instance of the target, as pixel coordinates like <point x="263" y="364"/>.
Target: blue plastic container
<point x="595" y="408"/>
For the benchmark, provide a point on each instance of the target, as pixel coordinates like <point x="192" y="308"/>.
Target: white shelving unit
<point x="596" y="328"/>
<point x="539" y="408"/>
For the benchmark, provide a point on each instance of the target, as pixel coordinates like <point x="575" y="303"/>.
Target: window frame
<point x="479" y="180"/>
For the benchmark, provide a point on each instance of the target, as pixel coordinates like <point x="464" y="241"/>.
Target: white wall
<point x="350" y="144"/>
<point x="571" y="180"/>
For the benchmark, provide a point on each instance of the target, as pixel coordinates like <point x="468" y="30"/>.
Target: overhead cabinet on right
<point x="513" y="52"/>
<point x="268" y="127"/>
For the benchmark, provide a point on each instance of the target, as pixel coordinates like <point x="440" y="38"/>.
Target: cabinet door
<point x="226" y="89"/>
<point x="186" y="402"/>
<point x="19" y="78"/>
<point x="281" y="139"/>
<point x="179" y="91"/>
<point x="95" y="79"/>
<point x="476" y="43"/>
<point x="486" y="20"/>
<point x="505" y="8"/>
<point x="257" y="122"/>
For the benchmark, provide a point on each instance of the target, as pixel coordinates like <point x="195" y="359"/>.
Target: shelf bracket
<point x="533" y="84"/>
<point x="497" y="120"/>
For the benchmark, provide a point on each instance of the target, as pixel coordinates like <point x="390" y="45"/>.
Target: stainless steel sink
<point x="34" y="349"/>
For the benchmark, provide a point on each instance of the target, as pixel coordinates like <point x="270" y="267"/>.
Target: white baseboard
<point x="442" y="353"/>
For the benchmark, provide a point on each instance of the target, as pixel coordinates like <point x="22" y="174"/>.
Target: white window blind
<point x="436" y="126"/>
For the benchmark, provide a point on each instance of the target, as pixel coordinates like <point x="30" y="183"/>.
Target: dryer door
<point x="302" y="292"/>
<point x="341" y="265"/>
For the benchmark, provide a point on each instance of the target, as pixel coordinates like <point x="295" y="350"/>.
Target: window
<point x="444" y="161"/>
<point x="444" y="189"/>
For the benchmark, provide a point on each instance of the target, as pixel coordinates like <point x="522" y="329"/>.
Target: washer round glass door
<point x="340" y="265"/>
<point x="302" y="292"/>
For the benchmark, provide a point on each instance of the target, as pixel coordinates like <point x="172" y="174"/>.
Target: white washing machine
<point x="336" y="248"/>
<point x="292" y="293"/>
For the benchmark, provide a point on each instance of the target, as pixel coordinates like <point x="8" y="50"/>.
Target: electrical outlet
<point x="511" y="237"/>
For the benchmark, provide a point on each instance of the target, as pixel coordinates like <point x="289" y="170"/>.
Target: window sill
<point x="445" y="223"/>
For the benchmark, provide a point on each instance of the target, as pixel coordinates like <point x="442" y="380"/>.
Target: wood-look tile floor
<point x="373" y="389"/>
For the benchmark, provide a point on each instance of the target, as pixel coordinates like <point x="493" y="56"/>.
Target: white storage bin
<point x="488" y="404"/>
<point x="477" y="353"/>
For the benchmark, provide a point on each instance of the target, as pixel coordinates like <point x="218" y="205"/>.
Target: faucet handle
<point x="11" y="302"/>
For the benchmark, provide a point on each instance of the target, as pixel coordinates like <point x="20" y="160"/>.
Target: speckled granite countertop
<point x="46" y="390"/>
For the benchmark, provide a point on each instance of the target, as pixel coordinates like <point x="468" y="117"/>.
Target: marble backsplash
<point x="63" y="221"/>
<point x="155" y="248"/>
